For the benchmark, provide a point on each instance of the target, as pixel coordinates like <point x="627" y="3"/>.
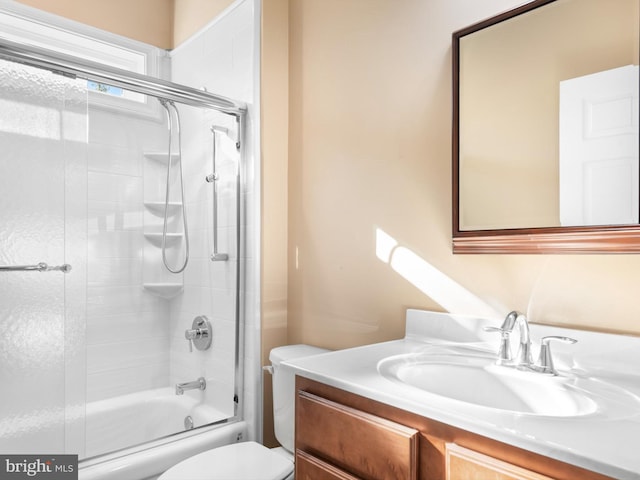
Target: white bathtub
<point x="133" y="426"/>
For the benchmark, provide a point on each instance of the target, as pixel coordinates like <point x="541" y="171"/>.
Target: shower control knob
<point x="199" y="334"/>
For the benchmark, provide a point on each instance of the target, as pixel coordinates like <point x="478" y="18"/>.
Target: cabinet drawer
<point x="309" y="467"/>
<point x="464" y="463"/>
<point x="362" y="444"/>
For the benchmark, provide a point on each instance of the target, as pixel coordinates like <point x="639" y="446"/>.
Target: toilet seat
<point x="238" y="461"/>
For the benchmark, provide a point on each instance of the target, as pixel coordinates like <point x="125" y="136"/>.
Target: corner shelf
<point x="156" y="238"/>
<point x="164" y="290"/>
<point x="155" y="281"/>
<point x="157" y="208"/>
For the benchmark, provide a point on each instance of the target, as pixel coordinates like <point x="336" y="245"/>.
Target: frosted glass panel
<point x="43" y="136"/>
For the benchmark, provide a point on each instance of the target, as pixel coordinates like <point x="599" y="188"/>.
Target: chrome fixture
<point x="545" y="361"/>
<point x="213" y="178"/>
<point x="523" y="359"/>
<point x="166" y="104"/>
<point x="199" y="384"/>
<point x="199" y="334"/>
<point x="40" y="267"/>
<point x="188" y="422"/>
<point x="76" y="67"/>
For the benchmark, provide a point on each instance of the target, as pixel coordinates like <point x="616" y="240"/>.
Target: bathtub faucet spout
<point x="200" y="383"/>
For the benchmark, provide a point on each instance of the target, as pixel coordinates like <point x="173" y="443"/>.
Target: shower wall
<point x="127" y="326"/>
<point x="128" y="352"/>
<point x="135" y="339"/>
<point x="221" y="59"/>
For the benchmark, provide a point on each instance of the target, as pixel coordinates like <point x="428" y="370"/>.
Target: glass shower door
<point x="43" y="183"/>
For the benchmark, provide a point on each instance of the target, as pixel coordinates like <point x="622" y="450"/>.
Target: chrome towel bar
<point x="40" y="267"/>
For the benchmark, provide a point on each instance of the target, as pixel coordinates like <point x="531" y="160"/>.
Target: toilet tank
<point x="284" y="390"/>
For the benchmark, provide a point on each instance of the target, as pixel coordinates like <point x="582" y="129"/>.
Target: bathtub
<point x="133" y="426"/>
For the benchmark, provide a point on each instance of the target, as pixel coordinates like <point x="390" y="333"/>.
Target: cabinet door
<point x="362" y="444"/>
<point x="309" y="467"/>
<point x="462" y="463"/>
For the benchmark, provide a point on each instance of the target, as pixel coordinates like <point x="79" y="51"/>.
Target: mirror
<point x="545" y="129"/>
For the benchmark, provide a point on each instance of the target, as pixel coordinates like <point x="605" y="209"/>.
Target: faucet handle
<point x="199" y="334"/>
<point x="493" y="329"/>
<point x="545" y="361"/>
<point x="504" y="352"/>
<point x="189" y="335"/>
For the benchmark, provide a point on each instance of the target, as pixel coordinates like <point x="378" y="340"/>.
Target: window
<point x="104" y="88"/>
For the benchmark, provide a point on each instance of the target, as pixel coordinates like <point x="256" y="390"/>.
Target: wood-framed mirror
<point x="545" y="129"/>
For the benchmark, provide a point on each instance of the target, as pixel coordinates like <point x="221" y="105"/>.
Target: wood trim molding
<point x="606" y="240"/>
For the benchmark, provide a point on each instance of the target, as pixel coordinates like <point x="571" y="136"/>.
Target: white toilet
<point x="251" y="460"/>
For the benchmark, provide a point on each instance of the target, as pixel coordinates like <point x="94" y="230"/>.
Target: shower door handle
<point x="40" y="267"/>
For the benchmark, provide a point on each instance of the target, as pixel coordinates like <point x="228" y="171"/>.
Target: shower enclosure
<point x="102" y="345"/>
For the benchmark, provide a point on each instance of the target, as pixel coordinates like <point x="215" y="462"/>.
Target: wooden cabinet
<point x="342" y="436"/>
<point x="462" y="463"/>
<point x="363" y="444"/>
<point x="309" y="467"/>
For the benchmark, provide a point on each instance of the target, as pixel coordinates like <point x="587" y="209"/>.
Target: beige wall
<point x="149" y="21"/>
<point x="370" y="136"/>
<point x="189" y="16"/>
<point x="275" y="118"/>
<point x="163" y="23"/>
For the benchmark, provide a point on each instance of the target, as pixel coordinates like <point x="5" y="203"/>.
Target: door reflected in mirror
<point x="599" y="148"/>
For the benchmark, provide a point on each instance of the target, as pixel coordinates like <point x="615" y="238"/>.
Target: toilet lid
<point x="238" y="461"/>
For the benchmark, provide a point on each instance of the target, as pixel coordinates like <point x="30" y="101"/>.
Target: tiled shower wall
<point x="220" y="59"/>
<point x="127" y="326"/>
<point x="135" y="340"/>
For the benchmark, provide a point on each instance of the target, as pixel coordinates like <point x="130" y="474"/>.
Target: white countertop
<point x="605" y="441"/>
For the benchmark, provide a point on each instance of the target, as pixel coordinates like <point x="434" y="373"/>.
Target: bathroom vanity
<point x="371" y="413"/>
<point x="346" y="436"/>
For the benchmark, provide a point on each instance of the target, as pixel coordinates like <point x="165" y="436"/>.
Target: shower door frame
<point x="75" y="67"/>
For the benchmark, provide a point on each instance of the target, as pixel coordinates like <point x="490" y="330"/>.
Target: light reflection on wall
<point x="443" y="290"/>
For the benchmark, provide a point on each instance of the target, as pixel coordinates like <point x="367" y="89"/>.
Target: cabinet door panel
<point x="309" y="467"/>
<point x="368" y="446"/>
<point x="462" y="463"/>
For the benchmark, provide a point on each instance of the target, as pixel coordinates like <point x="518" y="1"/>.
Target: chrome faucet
<point x="523" y="357"/>
<point x="200" y="384"/>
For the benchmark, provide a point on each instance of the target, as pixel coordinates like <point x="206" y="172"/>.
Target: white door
<point x="599" y="148"/>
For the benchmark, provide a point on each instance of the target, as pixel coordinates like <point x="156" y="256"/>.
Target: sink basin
<point x="477" y="381"/>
